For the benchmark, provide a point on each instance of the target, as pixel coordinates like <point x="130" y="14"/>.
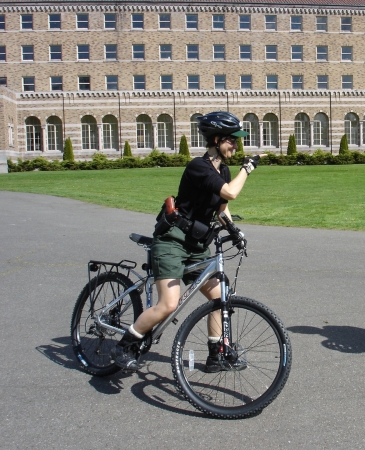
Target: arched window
<point x="54" y="133"/>
<point x="251" y="125"/>
<point x="144" y="131"/>
<point x="164" y="132"/>
<point x="320" y="130"/>
<point x="270" y="130"/>
<point x="110" y="132"/>
<point x="89" y="133"/>
<point x="33" y="133"/>
<point x="301" y="129"/>
<point x="352" y="128"/>
<point x="196" y="139"/>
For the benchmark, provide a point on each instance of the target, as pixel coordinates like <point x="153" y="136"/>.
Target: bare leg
<point x="168" y="298"/>
<point x="212" y="290"/>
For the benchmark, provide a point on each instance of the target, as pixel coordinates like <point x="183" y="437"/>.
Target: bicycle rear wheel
<point x="91" y="342"/>
<point x="260" y="340"/>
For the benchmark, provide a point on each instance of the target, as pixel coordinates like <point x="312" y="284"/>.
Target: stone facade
<point x="287" y="51"/>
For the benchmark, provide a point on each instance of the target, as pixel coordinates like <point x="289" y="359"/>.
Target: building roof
<point x="290" y="3"/>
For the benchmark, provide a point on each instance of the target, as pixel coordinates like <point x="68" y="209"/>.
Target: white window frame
<point x="217" y="23"/>
<point x="54" y="21"/>
<point x="164" y="21"/>
<point x="80" y="21"/>
<point x="242" y="82"/>
<point x="109" y="82"/>
<point x="55" y="52"/>
<point x="53" y="82"/>
<point x="110" y="24"/>
<point x="242" y="22"/>
<point x="191" y="24"/>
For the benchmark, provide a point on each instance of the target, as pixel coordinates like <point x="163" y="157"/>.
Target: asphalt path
<point x="313" y="279"/>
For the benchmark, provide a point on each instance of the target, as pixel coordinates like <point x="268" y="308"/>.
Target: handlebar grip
<point x="231" y="227"/>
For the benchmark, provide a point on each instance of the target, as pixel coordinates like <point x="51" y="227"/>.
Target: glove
<point x="250" y="163"/>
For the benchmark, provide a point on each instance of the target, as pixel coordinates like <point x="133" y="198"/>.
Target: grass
<point x="300" y="196"/>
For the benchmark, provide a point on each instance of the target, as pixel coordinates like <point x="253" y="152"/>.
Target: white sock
<point x="135" y="333"/>
<point x="214" y="339"/>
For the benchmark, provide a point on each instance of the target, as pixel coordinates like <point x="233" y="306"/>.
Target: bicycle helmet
<point x="219" y="123"/>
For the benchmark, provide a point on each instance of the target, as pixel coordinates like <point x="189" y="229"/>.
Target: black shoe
<point x="216" y="363"/>
<point x="125" y="352"/>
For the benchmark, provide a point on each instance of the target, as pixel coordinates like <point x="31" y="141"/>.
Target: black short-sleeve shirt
<point x="199" y="189"/>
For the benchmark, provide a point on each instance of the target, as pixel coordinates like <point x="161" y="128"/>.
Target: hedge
<point x="157" y="159"/>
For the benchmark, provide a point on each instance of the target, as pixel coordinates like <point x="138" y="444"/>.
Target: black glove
<point x="250" y="163"/>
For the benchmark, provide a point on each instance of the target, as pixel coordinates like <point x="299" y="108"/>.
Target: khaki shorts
<point x="171" y="253"/>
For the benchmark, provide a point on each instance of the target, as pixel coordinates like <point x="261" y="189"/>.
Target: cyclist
<point x="205" y="189"/>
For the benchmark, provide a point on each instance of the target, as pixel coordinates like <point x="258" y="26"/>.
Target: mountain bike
<point x="249" y="331"/>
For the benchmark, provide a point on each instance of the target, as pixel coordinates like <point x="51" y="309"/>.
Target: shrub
<point x="68" y="152"/>
<point x="127" y="151"/>
<point x="344" y="146"/>
<point x="183" y="147"/>
<point x="240" y="147"/>
<point x="292" y="146"/>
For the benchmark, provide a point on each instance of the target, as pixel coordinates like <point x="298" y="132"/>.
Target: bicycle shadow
<point x="60" y="352"/>
<point x="344" y="339"/>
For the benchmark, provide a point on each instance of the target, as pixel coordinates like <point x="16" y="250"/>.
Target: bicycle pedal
<point x="175" y="321"/>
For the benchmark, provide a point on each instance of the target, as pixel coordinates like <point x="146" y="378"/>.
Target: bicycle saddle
<point x="141" y="240"/>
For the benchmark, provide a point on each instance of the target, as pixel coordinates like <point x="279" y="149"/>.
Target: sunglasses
<point x="231" y="139"/>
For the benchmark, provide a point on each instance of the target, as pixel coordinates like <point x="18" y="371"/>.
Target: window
<point x="2" y="22"/>
<point x="320" y="130"/>
<point x="297" y="52"/>
<point x="27" y="22"/>
<point x="166" y="81"/>
<point x="322" y="81"/>
<point x="192" y="51"/>
<point x="270" y="23"/>
<point x="28" y="84"/>
<point x="246" y="81"/>
<point x="322" y="53"/>
<point x="245" y="22"/>
<point x="218" y="22"/>
<point x="54" y="21"/>
<point x="139" y="82"/>
<point x="245" y="52"/>
<point x="302" y="129"/>
<point x="352" y="128"/>
<point x="82" y="21"/>
<point x="27" y="53"/>
<point x="110" y="21"/>
<point x="110" y="132"/>
<point x="54" y="133"/>
<point x="271" y="81"/>
<point x="296" y="23"/>
<point x="164" y="131"/>
<point x="270" y="130"/>
<point x="346" y="53"/>
<point x="196" y="139"/>
<point x="11" y="134"/>
<point x="84" y="83"/>
<point x="165" y="51"/>
<point x="2" y="53"/>
<point x="297" y="81"/>
<point x="346" y="24"/>
<point x="219" y="52"/>
<point x="138" y="51"/>
<point x="144" y="131"/>
<point x="111" y="82"/>
<point x="137" y="21"/>
<point x="219" y="81"/>
<point x="164" y="21"/>
<point x="271" y="52"/>
<point x="250" y="124"/>
<point x="90" y="138"/>
<point x="56" y="83"/>
<point x="111" y="51"/>
<point x="192" y="21"/>
<point x="55" y="53"/>
<point x="347" y="82"/>
<point x="83" y="52"/>
<point x="3" y="81"/>
<point x="321" y="23"/>
<point x="193" y="82"/>
<point x="33" y="134"/>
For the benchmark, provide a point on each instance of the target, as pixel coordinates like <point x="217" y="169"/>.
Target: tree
<point x="68" y="152"/>
<point x="344" y="146"/>
<point x="292" y="146"/>
<point x="127" y="149"/>
<point x="240" y="147"/>
<point x="184" y="148"/>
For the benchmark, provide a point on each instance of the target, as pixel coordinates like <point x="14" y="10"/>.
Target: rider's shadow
<point x="344" y="339"/>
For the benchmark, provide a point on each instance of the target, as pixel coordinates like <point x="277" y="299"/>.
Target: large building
<point x="105" y="72"/>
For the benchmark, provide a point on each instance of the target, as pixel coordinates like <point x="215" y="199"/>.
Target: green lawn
<point x="300" y="196"/>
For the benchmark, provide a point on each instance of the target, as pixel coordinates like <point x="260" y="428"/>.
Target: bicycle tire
<point x="262" y="342"/>
<point x="90" y="342"/>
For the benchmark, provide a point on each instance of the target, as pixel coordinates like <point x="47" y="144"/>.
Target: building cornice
<point x="321" y="10"/>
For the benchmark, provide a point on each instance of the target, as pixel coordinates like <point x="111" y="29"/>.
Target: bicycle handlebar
<point x="234" y="232"/>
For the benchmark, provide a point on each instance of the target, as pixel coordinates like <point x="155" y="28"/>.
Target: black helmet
<point x="220" y="123"/>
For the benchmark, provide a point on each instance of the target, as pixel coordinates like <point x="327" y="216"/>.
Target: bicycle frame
<point x="211" y="266"/>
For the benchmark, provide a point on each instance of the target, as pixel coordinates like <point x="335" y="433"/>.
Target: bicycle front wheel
<point x="263" y="346"/>
<point x="91" y="342"/>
